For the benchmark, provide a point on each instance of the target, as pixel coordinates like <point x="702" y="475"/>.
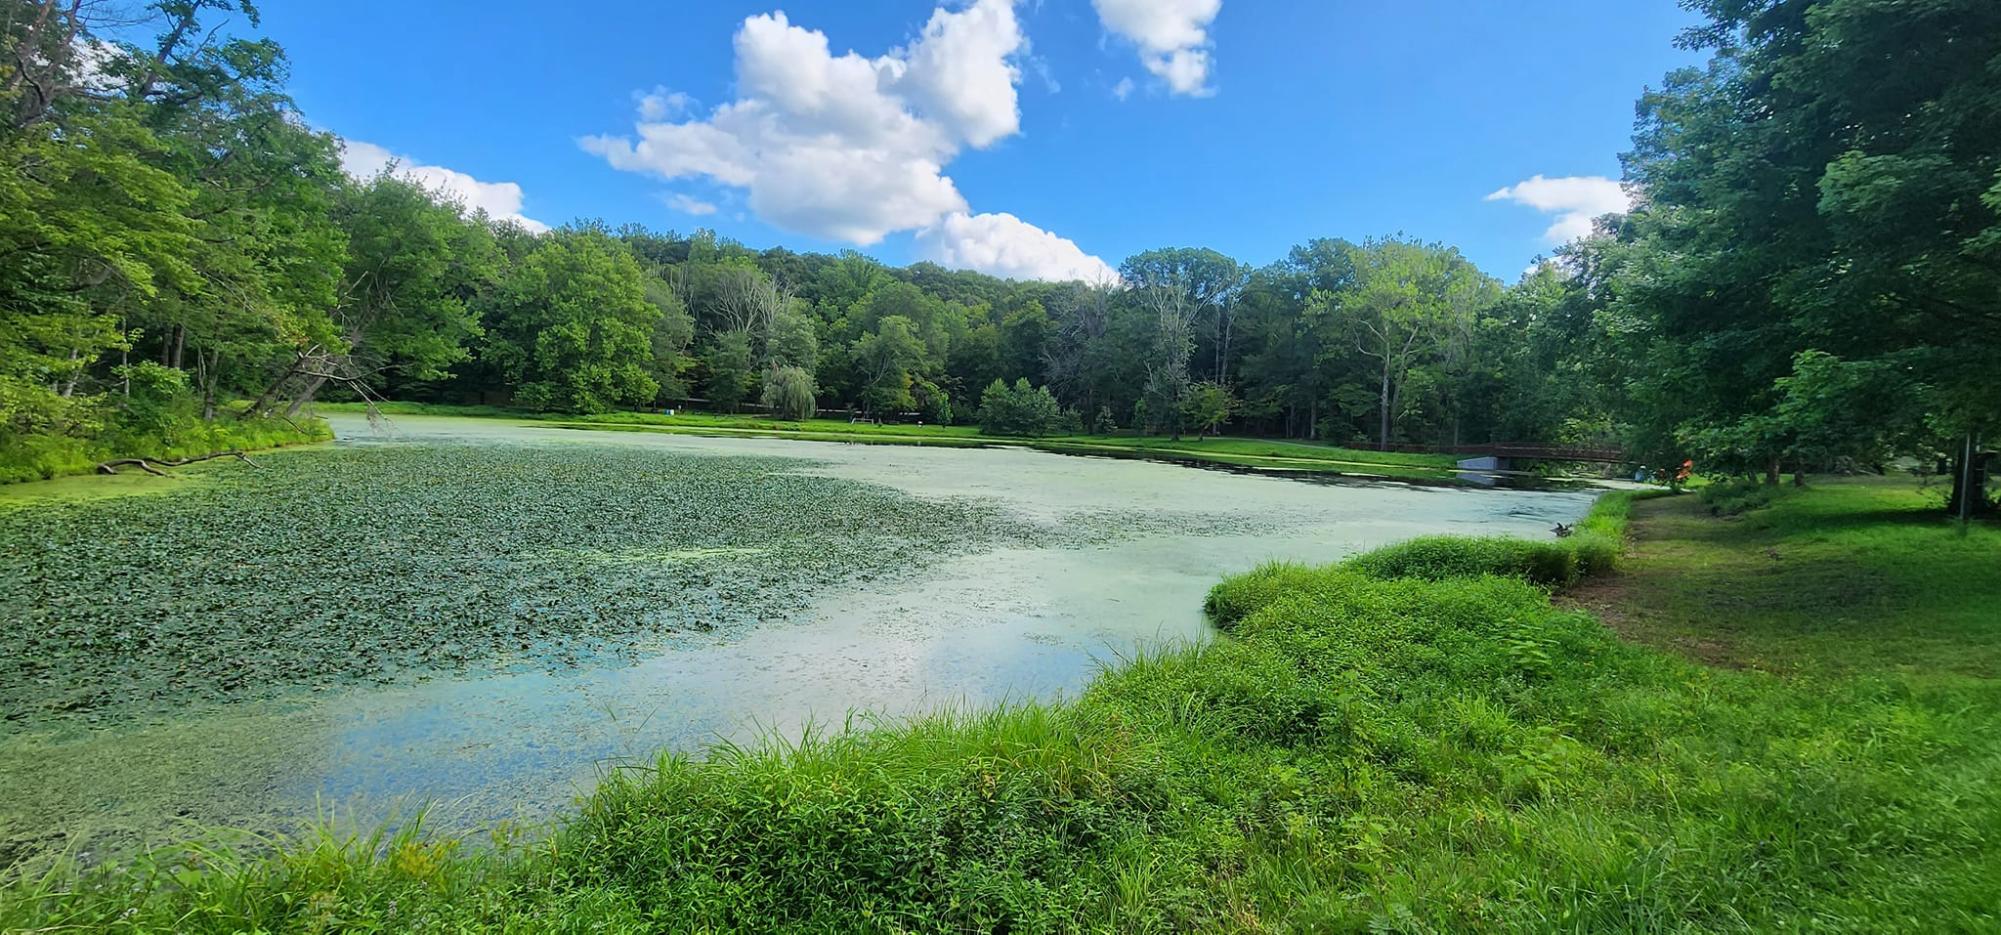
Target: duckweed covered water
<point x="488" y="616"/>
<point x="368" y="562"/>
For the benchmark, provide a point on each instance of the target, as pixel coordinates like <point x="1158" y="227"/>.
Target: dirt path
<point x="1638" y="602"/>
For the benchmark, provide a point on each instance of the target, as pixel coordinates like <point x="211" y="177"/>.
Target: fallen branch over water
<point x="148" y="464"/>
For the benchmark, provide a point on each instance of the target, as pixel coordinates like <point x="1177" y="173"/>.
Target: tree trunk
<point x="1383" y="435"/>
<point x="305" y="396"/>
<point x="205" y="374"/>
<point x="263" y="401"/>
<point x="180" y="345"/>
<point x="1772" y="472"/>
<point x="1969" y="482"/>
<point x="1223" y="355"/>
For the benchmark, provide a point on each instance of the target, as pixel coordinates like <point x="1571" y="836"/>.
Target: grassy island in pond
<point x="1363" y="751"/>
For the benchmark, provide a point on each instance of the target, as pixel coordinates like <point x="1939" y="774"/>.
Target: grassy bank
<point x="33" y="457"/>
<point x="1366" y="750"/>
<point x="1263" y="454"/>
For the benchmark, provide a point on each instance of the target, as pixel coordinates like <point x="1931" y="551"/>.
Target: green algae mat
<point x="373" y="562"/>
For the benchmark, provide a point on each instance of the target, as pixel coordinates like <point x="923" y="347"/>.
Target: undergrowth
<point x="29" y="456"/>
<point x="1415" y="740"/>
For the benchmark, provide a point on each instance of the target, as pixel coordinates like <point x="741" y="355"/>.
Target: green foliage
<point x="793" y="341"/>
<point x="414" y="268"/>
<point x="934" y="405"/>
<point x="155" y="417"/>
<point x="1357" y="754"/>
<point x="1170" y="345"/>
<point x="574" y="327"/>
<point x="729" y="368"/>
<point x="1407" y="303"/>
<point x="1804" y="281"/>
<point x="1207" y="406"/>
<point x="883" y="359"/>
<point x="788" y="393"/>
<point x="1022" y="410"/>
<point x="673" y="332"/>
<point x="1104" y="424"/>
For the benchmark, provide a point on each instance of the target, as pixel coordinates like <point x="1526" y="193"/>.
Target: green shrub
<point x="1022" y="410"/>
<point x="40" y="457"/>
<point x="1104" y="424"/>
<point x="1597" y="553"/>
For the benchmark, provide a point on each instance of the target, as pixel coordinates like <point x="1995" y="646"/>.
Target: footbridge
<point x="1509" y="457"/>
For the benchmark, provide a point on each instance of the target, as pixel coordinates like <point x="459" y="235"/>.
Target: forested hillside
<point x="1809" y="279"/>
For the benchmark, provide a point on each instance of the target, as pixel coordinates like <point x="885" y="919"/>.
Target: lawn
<point x="1850" y="576"/>
<point x="1392" y="744"/>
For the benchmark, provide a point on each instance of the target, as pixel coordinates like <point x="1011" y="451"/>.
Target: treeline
<point x="182" y="242"/>
<point x="1809" y="278"/>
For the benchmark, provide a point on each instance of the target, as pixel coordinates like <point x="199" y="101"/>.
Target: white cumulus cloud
<point x="961" y="70"/>
<point x="500" y="200"/>
<point x="1172" y="35"/>
<point x="1005" y="245"/>
<point x="853" y="148"/>
<point x="1576" y="200"/>
<point x="844" y="146"/>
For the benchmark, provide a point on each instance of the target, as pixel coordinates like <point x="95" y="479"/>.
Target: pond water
<point x="995" y="621"/>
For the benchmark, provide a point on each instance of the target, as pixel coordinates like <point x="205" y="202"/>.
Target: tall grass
<point x="1364" y="750"/>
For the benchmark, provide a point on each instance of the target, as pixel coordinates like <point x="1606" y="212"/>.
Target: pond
<point x="479" y="617"/>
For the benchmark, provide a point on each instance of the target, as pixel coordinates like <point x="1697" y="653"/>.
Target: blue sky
<point x="1025" y="138"/>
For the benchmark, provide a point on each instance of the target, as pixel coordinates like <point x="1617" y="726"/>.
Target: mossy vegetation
<point x="1361" y="752"/>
